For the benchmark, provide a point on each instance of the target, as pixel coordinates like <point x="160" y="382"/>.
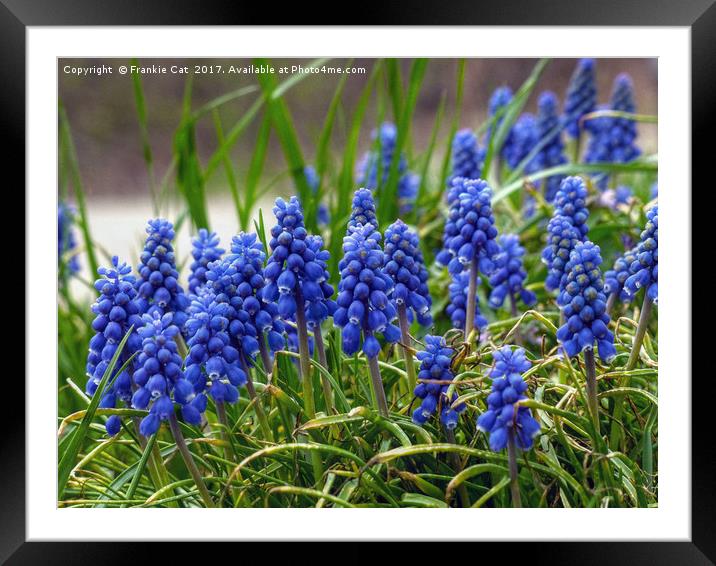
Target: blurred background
<point x="102" y="114"/>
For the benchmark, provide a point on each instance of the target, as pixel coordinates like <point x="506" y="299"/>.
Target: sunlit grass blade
<point x="141" y="107"/>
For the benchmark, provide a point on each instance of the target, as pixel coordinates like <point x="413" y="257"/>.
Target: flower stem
<point x="591" y="368"/>
<point x="610" y="302"/>
<point x="457" y="463"/>
<point x="378" y="389"/>
<point x="321" y="350"/>
<point x="471" y="299"/>
<point x="514" y="472"/>
<point x="405" y="337"/>
<point x="515" y="314"/>
<point x="265" y="358"/>
<point x="309" y="403"/>
<point x="615" y="432"/>
<point x="260" y="414"/>
<point x="225" y="434"/>
<point x="189" y="461"/>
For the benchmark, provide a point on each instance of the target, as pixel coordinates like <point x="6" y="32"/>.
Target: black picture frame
<point x="698" y="15"/>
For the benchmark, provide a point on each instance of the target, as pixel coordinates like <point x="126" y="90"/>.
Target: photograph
<point x="357" y="283"/>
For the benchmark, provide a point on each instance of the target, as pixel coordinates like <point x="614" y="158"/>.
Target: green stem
<point x="471" y="300"/>
<point x="189" y="461"/>
<point x="321" y="350"/>
<point x="515" y="314"/>
<point x="457" y="464"/>
<point x="591" y="369"/>
<point x="265" y="357"/>
<point x="405" y="337"/>
<point x="378" y="390"/>
<point x="610" y="302"/>
<point x="514" y="472"/>
<point x="258" y="408"/>
<point x="224" y="422"/>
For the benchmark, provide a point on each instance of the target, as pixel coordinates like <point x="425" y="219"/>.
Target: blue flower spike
<point x="499" y="100"/>
<point x="205" y="249"/>
<point x="457" y="306"/>
<point x="467" y="156"/>
<point x="434" y="369"/>
<point x="644" y="269"/>
<point x="508" y="277"/>
<point x="116" y="311"/>
<point x="324" y="217"/>
<point x="549" y="132"/>
<point x="615" y="278"/>
<point x="66" y="242"/>
<point x="158" y="286"/>
<point x="581" y="96"/>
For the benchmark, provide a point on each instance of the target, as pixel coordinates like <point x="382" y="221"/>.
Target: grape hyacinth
<point x="613" y="139"/>
<point x="644" y="269"/>
<point x="363" y="210"/>
<point x="552" y="152"/>
<point x="205" y="249"/>
<point x="524" y="135"/>
<point x="435" y="367"/>
<point x="500" y="98"/>
<point x="583" y="304"/>
<point x="457" y="307"/>
<point x="509" y="275"/>
<point x="157" y="286"/>
<point x="581" y="96"/>
<point x="66" y="242"/>
<point x="313" y="180"/>
<point x="159" y="377"/>
<point x="364" y="309"/>
<point x="503" y="420"/>
<point x="116" y="311"/>
<point x="615" y="278"/>
<point x="571" y="202"/>
<point x="374" y="168"/>
<point x="467" y="156"/>
<point x="562" y="237"/>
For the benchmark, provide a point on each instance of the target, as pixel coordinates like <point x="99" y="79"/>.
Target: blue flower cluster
<point x="65" y="237"/>
<point x="159" y="376"/>
<point x="524" y="135"/>
<point x="434" y="368"/>
<point x="364" y="309"/>
<point x="509" y="275"/>
<point x="324" y="217"/>
<point x="584" y="304"/>
<point x="457" y="307"/>
<point x="405" y="265"/>
<point x="502" y="418"/>
<point x="500" y="98"/>
<point x="571" y="202"/>
<point x="116" y="311"/>
<point x="205" y="249"/>
<point x="247" y="258"/>
<point x="158" y="285"/>
<point x="615" y="278"/>
<point x="296" y="270"/>
<point x="644" y="270"/>
<point x="469" y="231"/>
<point x="323" y="306"/>
<point x="363" y="210"/>
<point x="562" y="237"/>
<point x="581" y="95"/>
<point x="375" y="168"/>
<point x="613" y="139"/>
<point x="552" y="152"/>
<point x="212" y="361"/>
<point x="467" y="156"/>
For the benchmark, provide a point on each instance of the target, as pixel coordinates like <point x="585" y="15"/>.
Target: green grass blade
<point x="140" y="105"/>
<point x="256" y="166"/>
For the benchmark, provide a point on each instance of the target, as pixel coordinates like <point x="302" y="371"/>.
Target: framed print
<point x="407" y="274"/>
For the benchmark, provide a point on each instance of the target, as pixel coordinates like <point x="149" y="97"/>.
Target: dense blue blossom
<point x="374" y="168"/>
<point x="469" y="231"/>
<point x="159" y="377"/>
<point x="116" y="311"/>
<point x="502" y="417"/>
<point x="562" y="237"/>
<point x="313" y="180"/>
<point x="571" y="202"/>
<point x="205" y="249"/>
<point x="644" y="270"/>
<point x="405" y="265"/>
<point x="66" y="243"/>
<point x="524" y="135"/>
<point x="434" y="367"/>
<point x="364" y="309"/>
<point x="363" y="210"/>
<point x="584" y="304"/>
<point x="581" y="95"/>
<point x="500" y="98"/>
<point x="615" y="278"/>
<point x="549" y="134"/>
<point x="247" y="259"/>
<point x="509" y="276"/>
<point x="613" y="139"/>
<point x="467" y="156"/>
<point x="157" y="286"/>
<point x="457" y="307"/>
<point x="213" y="362"/>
